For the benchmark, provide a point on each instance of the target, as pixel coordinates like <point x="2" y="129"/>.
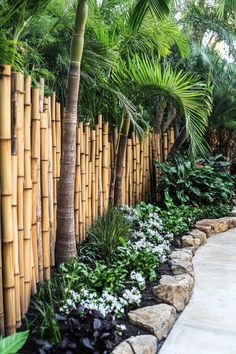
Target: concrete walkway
<point x="208" y="323"/>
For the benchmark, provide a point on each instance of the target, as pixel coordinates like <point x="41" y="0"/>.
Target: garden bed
<point x="45" y="320"/>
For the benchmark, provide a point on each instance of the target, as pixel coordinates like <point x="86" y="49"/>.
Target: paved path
<point x="208" y="323"/>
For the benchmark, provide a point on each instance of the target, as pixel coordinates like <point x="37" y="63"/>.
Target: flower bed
<point x="84" y="307"/>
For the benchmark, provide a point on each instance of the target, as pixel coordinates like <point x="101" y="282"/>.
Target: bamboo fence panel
<point x="30" y="154"/>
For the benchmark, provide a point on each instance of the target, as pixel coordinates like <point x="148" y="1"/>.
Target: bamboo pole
<point x="54" y="158"/>
<point x="83" y="181"/>
<point x="58" y="139"/>
<point x="134" y="167"/>
<point x="39" y="112"/>
<point x="100" y="182"/>
<point x="105" y="166"/>
<point x="87" y="177"/>
<point x="93" y="178"/>
<point x="14" y="195"/>
<point x="20" y="185"/>
<point x="2" y="327"/>
<point x="172" y="137"/>
<point x="44" y="191"/>
<point x="97" y="143"/>
<point x="27" y="196"/>
<point x="78" y="204"/>
<point x="50" y="184"/>
<point x="6" y="199"/>
<point x="35" y="160"/>
<point x="165" y="146"/>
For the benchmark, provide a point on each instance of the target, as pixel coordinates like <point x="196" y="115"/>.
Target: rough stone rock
<point x="207" y="229"/>
<point x="217" y="225"/>
<point x="197" y="242"/>
<point x="184" y="254"/>
<point x="157" y="319"/>
<point x="199" y="235"/>
<point x="187" y="241"/>
<point x="191" y="249"/>
<point x="123" y="348"/>
<point x="178" y="266"/>
<point x="231" y="221"/>
<point x="175" y="290"/>
<point x="145" y="344"/>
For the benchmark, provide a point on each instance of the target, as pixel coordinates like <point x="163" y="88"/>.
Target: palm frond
<point x="159" y="8"/>
<point x="191" y="95"/>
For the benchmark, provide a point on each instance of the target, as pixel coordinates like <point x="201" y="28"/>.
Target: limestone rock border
<point x="174" y="291"/>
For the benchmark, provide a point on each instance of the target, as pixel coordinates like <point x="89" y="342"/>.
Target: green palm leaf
<point x="191" y="96"/>
<point x="160" y="8"/>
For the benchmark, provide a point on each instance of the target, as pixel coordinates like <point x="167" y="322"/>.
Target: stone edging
<point x="173" y="292"/>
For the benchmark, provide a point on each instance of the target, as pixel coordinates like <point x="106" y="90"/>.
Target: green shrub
<point x="106" y="234"/>
<point x="195" y="183"/>
<point x="180" y="219"/>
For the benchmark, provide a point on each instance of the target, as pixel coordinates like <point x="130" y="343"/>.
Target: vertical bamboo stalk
<point x="35" y="138"/>
<point x="105" y="165"/>
<point x="38" y="110"/>
<point x="130" y="154"/>
<point x="58" y="139"/>
<point x="77" y="185"/>
<point x="44" y="191"/>
<point x="97" y="169"/>
<point x="27" y="196"/>
<point x="87" y="177"/>
<point x="54" y="160"/>
<point x="50" y="184"/>
<point x="100" y="181"/>
<point x="2" y="327"/>
<point x="14" y="195"/>
<point x="83" y="181"/>
<point x="6" y="199"/>
<point x="20" y="184"/>
<point x="165" y="146"/>
<point x="134" y="167"/>
<point x="93" y="179"/>
<point x="172" y="137"/>
<point x="141" y="171"/>
<point x="137" y="170"/>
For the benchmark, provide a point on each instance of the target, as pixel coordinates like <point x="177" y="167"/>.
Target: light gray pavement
<point x="208" y="323"/>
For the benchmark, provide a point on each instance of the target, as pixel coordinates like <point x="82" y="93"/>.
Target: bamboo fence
<point x="30" y="152"/>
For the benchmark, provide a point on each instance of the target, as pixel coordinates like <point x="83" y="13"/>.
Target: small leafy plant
<point x="107" y="233"/>
<point x="12" y="344"/>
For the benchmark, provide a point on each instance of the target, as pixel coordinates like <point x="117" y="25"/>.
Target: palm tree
<point x="65" y="241"/>
<point x="191" y="96"/>
<point x="65" y="244"/>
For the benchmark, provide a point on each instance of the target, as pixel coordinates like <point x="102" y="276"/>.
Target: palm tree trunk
<point x="157" y="126"/>
<point x="120" y="161"/>
<point x="65" y="241"/>
<point x="178" y="141"/>
<point x="156" y="139"/>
